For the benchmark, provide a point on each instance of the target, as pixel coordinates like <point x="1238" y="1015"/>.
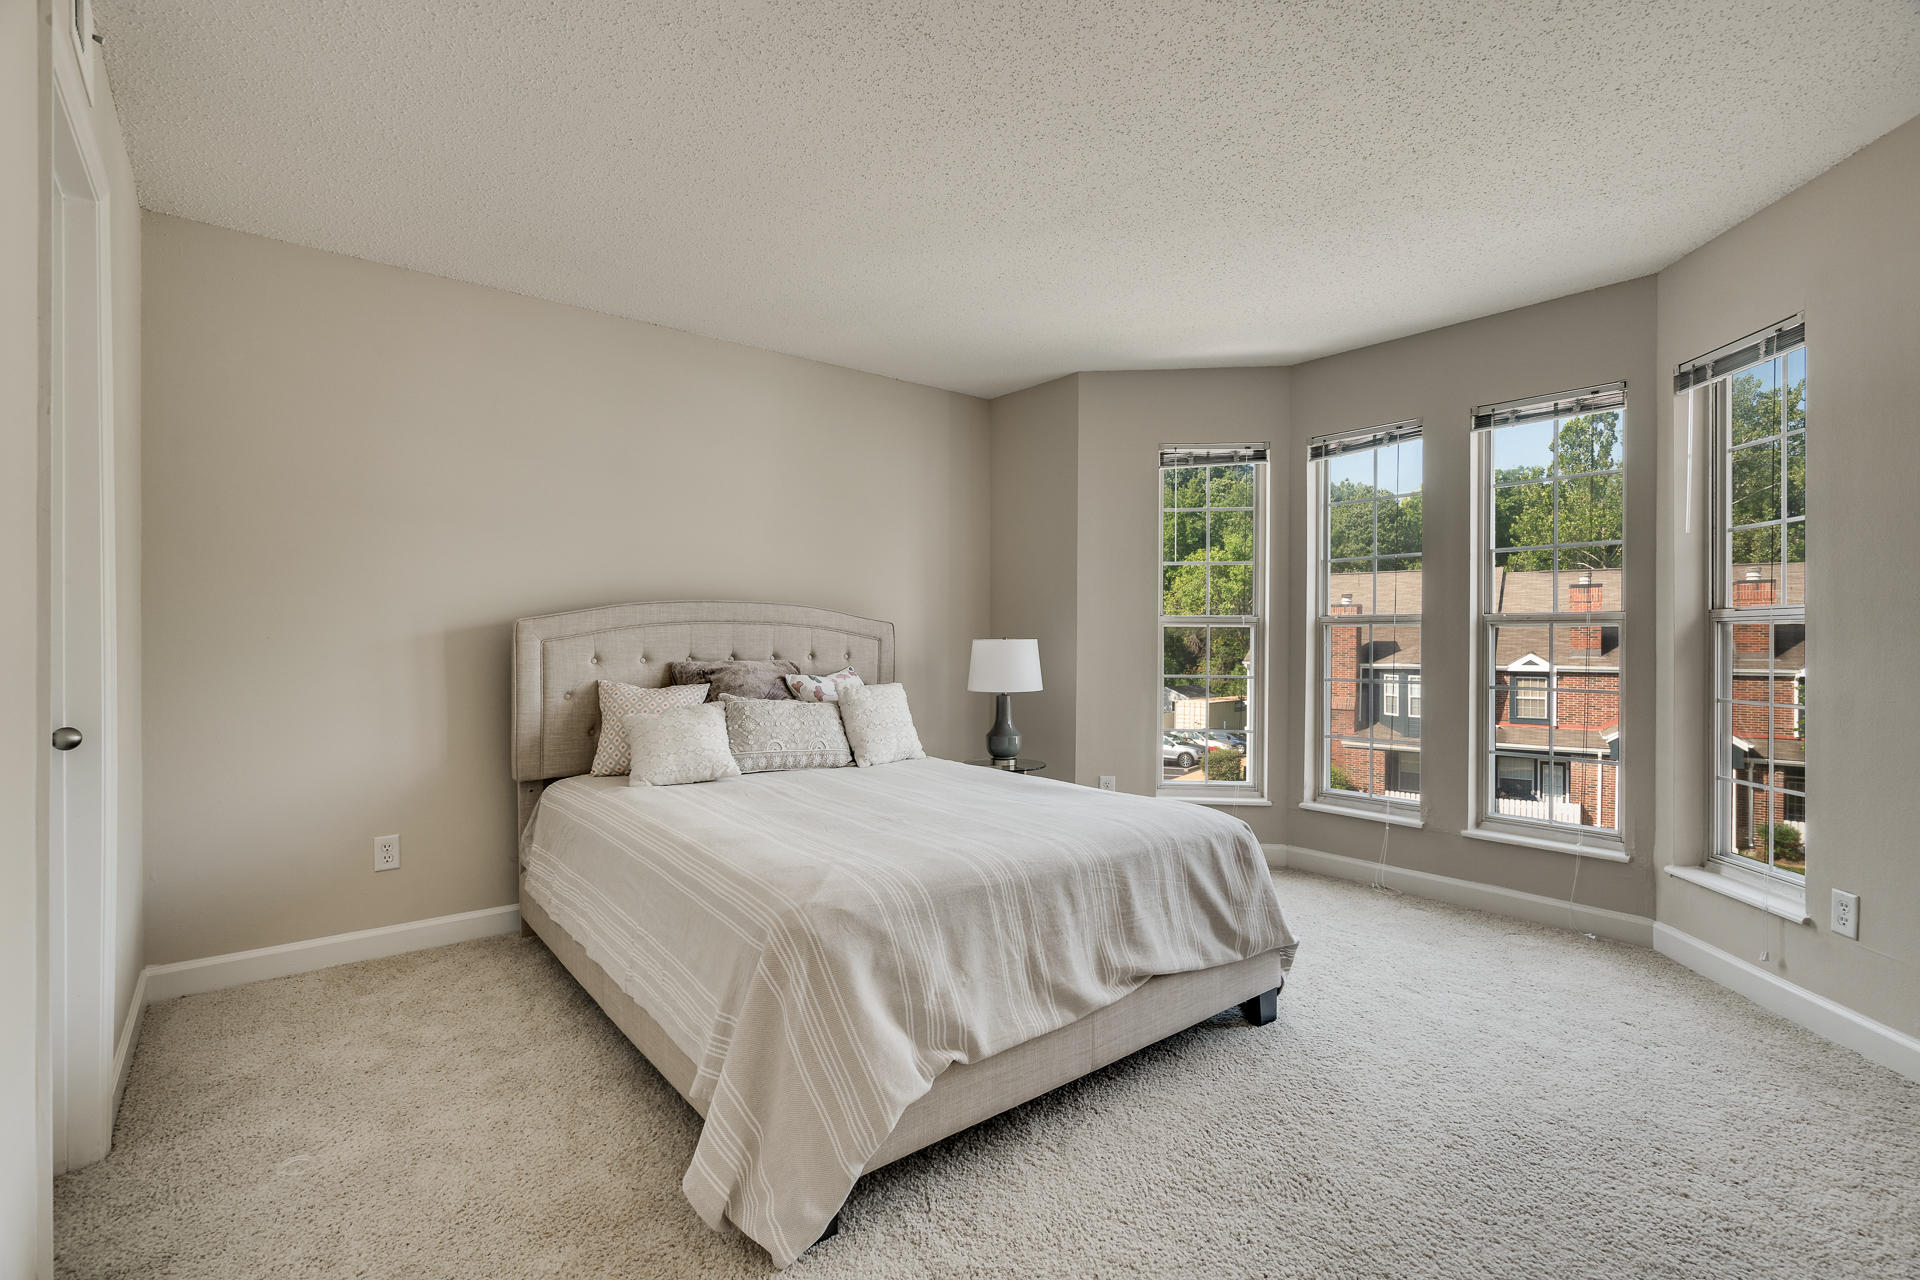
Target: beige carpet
<point x="1444" y="1094"/>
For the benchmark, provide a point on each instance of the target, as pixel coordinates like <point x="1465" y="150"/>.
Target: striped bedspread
<point x="822" y="943"/>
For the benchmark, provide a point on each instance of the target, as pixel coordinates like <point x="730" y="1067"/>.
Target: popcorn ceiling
<point x="982" y="196"/>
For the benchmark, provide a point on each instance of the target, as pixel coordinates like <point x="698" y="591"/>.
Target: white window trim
<point x="1413" y="696"/>
<point x="1390" y="697"/>
<point x="1346" y="804"/>
<point x="1753" y="885"/>
<point x="1720" y="856"/>
<point x="1486" y="823"/>
<point x="1254" y="790"/>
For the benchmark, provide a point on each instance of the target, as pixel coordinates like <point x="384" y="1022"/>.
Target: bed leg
<point x="526" y="930"/>
<point x="1263" y="1008"/>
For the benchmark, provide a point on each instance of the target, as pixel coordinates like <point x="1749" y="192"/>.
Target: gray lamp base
<point x="1003" y="740"/>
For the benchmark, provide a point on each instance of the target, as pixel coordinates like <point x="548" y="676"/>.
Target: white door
<point x="81" y="725"/>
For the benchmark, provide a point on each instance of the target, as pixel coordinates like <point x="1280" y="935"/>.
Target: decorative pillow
<point x="742" y="678"/>
<point x="879" y="726"/>
<point x="822" y="688"/>
<point x="687" y="744"/>
<point x="765" y="735"/>
<point x="617" y="702"/>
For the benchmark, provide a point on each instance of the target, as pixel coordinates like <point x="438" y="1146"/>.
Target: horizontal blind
<point x="1211" y="455"/>
<point x="1355" y="441"/>
<point x="1735" y="356"/>
<point x="1612" y="395"/>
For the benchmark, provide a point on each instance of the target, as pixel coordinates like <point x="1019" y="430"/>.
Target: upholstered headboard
<point x="559" y="659"/>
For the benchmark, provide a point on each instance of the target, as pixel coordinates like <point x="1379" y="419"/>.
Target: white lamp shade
<point x="1004" y="666"/>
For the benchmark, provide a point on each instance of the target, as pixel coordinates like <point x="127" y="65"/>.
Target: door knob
<point x="66" y="738"/>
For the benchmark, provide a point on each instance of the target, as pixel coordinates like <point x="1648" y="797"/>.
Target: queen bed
<point x="838" y="967"/>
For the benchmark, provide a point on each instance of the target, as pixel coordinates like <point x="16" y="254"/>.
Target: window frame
<point x="1253" y="790"/>
<point x="1723" y="616"/>
<point x="1486" y="821"/>
<point x="1317" y="791"/>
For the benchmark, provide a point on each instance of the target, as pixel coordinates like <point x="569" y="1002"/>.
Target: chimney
<point x="1584" y="597"/>
<point x="1343" y="666"/>
<point x="1752" y="590"/>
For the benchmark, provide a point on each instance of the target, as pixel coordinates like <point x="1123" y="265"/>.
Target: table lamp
<point x="1004" y="667"/>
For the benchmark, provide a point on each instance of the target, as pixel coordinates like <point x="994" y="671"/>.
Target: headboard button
<point x="595" y="659"/>
<point x="567" y="694"/>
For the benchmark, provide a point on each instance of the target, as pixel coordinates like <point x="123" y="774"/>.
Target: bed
<point x="838" y="967"/>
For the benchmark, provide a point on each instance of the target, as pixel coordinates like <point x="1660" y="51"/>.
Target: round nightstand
<point x="1022" y="765"/>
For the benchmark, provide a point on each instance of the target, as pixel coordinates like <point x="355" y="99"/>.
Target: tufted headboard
<point x="559" y="659"/>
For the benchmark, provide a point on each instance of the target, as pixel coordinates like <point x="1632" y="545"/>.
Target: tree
<point x="1757" y="412"/>
<point x="1591" y="507"/>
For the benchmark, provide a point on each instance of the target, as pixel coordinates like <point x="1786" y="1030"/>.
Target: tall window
<point x="1367" y="589"/>
<point x="1755" y="394"/>
<point x="1552" y="541"/>
<point x="1212" y="525"/>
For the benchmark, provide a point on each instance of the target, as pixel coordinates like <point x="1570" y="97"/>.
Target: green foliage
<point x="1339" y="779"/>
<point x="1592" y="508"/>
<point x="1787" y="844"/>
<point x="1757" y="493"/>
<point x="1226" y="766"/>
<point x="1195" y="542"/>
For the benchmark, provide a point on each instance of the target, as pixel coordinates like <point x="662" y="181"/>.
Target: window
<point x="1212" y="523"/>
<point x="1755" y="395"/>
<point x="1530" y="698"/>
<point x="1367" y="585"/>
<point x="1551" y="555"/>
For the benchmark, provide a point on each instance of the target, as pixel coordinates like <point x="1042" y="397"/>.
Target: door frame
<point x="81" y="873"/>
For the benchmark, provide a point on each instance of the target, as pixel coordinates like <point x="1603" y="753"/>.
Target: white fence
<point x="1545" y="809"/>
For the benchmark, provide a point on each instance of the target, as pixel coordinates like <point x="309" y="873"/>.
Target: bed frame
<point x="558" y="660"/>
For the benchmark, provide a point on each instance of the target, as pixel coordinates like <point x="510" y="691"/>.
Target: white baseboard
<point x="1621" y="926"/>
<point x="190" y="977"/>
<point x="129" y="1037"/>
<point x="1874" y="1041"/>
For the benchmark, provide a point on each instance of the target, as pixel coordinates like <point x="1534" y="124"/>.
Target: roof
<point x="1399" y="646"/>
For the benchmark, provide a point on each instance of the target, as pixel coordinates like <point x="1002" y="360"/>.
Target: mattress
<point x="823" y="944"/>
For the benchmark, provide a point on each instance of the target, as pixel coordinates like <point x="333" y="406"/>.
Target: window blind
<point x="1612" y="395"/>
<point x="1214" y="455"/>
<point x="1354" y="441"/>
<point x="1752" y="349"/>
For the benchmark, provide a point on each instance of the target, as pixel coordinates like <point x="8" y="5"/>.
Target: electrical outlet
<point x="1109" y="782"/>
<point x="386" y="853"/>
<point x="1846" y="914"/>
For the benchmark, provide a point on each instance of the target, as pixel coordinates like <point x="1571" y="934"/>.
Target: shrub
<point x="1787" y="844"/>
<point x="1226" y="766"/>
<point x="1339" y="779"/>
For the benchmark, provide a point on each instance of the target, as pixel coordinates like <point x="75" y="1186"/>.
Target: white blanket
<point x="822" y="943"/>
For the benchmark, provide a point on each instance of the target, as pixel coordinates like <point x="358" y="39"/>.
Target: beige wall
<point x="1036" y="436"/>
<point x="1843" y="249"/>
<point x="1438" y="377"/>
<point x="1125" y="418"/>
<point x="357" y="477"/>
<point x="25" y="1154"/>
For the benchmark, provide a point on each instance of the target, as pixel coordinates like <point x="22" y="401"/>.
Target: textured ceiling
<point x="984" y="195"/>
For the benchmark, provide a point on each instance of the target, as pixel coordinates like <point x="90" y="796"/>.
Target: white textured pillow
<point x="765" y="735"/>
<point x="822" y="688"/>
<point x="879" y="726"/>
<point x="617" y="702"/>
<point x="687" y="744"/>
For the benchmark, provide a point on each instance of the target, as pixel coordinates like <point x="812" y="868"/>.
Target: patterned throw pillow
<point x="822" y="688"/>
<point x="617" y="702"/>
<point x="688" y="744"/>
<point x="742" y="678"/>
<point x="879" y="726"/>
<point x="766" y="735"/>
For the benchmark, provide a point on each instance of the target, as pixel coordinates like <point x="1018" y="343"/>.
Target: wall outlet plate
<point x="1846" y="914"/>
<point x="1108" y="782"/>
<point x="386" y="853"/>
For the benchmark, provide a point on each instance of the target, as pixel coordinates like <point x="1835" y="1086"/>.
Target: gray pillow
<point x="765" y="735"/>
<point x="741" y="677"/>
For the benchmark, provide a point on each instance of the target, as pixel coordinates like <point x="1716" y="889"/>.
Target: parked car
<point x="1175" y="750"/>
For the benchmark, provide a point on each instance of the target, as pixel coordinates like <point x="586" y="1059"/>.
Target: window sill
<point x="1394" y="817"/>
<point x="1196" y="796"/>
<point x="1526" y="840"/>
<point x="1775" y="898"/>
